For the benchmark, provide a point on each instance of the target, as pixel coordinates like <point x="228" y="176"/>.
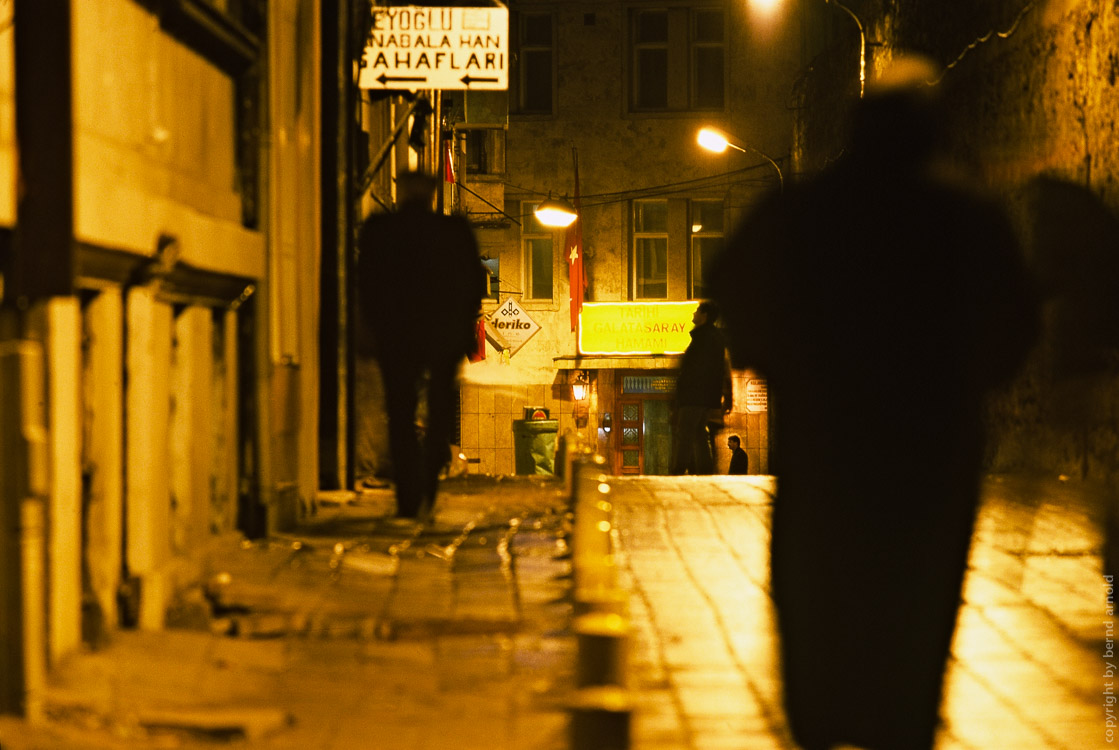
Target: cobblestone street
<point x="361" y="632"/>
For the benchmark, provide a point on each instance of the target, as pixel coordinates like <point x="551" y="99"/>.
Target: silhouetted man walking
<point x="882" y="303"/>
<point x="421" y="284"/>
<point x="703" y="388"/>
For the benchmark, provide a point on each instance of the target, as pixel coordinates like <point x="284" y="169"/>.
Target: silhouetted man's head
<point x="900" y="119"/>
<point x="707" y="312"/>
<point x="733" y="442"/>
<point x="414" y="188"/>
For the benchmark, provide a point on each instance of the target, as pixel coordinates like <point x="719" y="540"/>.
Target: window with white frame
<point x="678" y="59"/>
<point x="538" y="253"/>
<point x="650" y="249"/>
<point x="532" y="64"/>
<point x="706" y="235"/>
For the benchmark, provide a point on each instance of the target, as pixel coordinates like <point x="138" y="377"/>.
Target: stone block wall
<point x="488" y="413"/>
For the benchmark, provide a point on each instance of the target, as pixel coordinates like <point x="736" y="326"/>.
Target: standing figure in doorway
<point x="883" y="301"/>
<point x="703" y="394"/>
<point x="739" y="461"/>
<point x="420" y="288"/>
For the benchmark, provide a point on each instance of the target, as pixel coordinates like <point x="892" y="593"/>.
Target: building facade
<point x="160" y="208"/>
<point x="603" y="108"/>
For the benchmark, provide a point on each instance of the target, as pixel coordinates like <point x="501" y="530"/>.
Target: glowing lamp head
<point x="712" y="140"/>
<point x="555" y="213"/>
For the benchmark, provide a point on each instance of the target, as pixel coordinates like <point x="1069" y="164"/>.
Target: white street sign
<point x="513" y="324"/>
<point x="412" y="47"/>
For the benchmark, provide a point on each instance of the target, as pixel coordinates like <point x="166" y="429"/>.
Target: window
<point x="706" y="232"/>
<point x="493" y="270"/>
<point x="678" y="59"/>
<point x="485" y="151"/>
<point x="650" y="249"/>
<point x="707" y="60"/>
<point x="533" y="64"/>
<point x="538" y="254"/>
<point x="650" y="63"/>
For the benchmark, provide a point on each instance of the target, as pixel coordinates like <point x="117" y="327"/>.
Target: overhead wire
<point x="983" y="40"/>
<point x="733" y="177"/>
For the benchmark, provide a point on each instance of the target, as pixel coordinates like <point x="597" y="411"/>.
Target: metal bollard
<point x="604" y="600"/>
<point x="600" y="719"/>
<point x="601" y="641"/>
<point x="591" y="534"/>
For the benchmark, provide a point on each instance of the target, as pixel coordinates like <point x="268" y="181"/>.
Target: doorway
<point x="643" y="438"/>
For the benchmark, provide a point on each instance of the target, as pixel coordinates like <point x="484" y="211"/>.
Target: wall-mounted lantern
<point x="580" y="390"/>
<point x="579" y="385"/>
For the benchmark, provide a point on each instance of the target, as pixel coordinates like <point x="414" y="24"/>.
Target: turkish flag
<point x="479" y="353"/>
<point x="448" y="163"/>
<point x="573" y="246"/>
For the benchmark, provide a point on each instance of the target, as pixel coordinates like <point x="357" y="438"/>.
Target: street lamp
<point x="766" y="8"/>
<point x="554" y="212"/>
<point x="717" y="141"/>
<point x="862" y="43"/>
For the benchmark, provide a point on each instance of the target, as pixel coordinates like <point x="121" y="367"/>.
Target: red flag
<point x="479" y="352"/>
<point x="448" y="163"/>
<point x="573" y="246"/>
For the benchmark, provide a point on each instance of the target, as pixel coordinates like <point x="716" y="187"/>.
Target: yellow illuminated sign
<point x="635" y="327"/>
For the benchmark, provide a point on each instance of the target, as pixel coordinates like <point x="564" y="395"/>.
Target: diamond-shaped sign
<point x="509" y="326"/>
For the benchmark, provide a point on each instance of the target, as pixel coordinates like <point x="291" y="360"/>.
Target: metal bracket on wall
<point x="383" y="152"/>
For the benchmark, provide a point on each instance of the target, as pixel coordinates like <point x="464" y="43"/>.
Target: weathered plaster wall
<point x="620" y="154"/>
<point x="1032" y="87"/>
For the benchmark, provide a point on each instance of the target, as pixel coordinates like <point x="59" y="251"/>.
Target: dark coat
<point x="739" y="462"/>
<point x="703" y="379"/>
<point x="420" y="284"/>
<point x="882" y="305"/>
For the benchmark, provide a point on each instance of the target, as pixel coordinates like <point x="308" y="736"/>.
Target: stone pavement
<point x="354" y="632"/>
<point x="359" y="632"/>
<point x="1029" y="660"/>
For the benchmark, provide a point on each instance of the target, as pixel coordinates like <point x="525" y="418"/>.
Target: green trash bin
<point x="534" y="445"/>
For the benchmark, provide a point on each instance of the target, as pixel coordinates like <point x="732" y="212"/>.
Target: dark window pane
<point x="493" y="268"/>
<point x="704" y="252"/>
<point x="707" y="216"/>
<point x="709" y="26"/>
<point x="650" y="216"/>
<point x="630" y="436"/>
<point x="537" y="95"/>
<point x="477" y="152"/>
<point x="540" y="258"/>
<point x="709" y="77"/>
<point x="652" y="26"/>
<point x="630" y="459"/>
<point x="538" y="31"/>
<point x="652" y="78"/>
<point x="630" y="412"/>
<point x="652" y="268"/>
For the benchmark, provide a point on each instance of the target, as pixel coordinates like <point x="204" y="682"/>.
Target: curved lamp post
<point x="862" y="43"/>
<point x="717" y="141"/>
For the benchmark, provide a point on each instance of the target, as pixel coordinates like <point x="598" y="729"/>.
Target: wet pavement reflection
<point x="360" y="631"/>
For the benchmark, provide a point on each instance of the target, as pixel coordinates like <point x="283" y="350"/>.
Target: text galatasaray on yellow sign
<point x="635" y="327"/>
